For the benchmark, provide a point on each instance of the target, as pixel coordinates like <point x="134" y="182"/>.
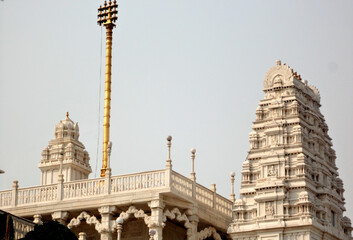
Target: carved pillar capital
<point x="60" y="216"/>
<point x="193" y="218"/>
<point x="106" y="209"/>
<point x="157" y="203"/>
<point x="37" y="219"/>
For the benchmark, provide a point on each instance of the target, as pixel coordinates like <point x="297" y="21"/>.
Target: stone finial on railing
<point x="169" y="144"/>
<point x="14" y="193"/>
<point x="232" y="195"/>
<point x="213" y="188"/>
<point x="61" y="159"/>
<point x="108" y="171"/>
<point x="193" y="174"/>
<point x="15" y="184"/>
<point x="61" y="177"/>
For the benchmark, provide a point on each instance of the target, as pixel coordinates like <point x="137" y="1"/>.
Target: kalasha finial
<point x="107" y="14"/>
<point x="169" y="144"/>
<point x="67" y="114"/>
<point x="193" y="174"/>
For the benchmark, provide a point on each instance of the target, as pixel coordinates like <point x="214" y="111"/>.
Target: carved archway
<point x="91" y="220"/>
<point x="208" y="232"/>
<point x="176" y="214"/>
<point x="137" y="214"/>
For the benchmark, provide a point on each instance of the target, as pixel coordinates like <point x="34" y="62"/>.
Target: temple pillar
<point x="156" y="222"/>
<point x="106" y="227"/>
<point x="192" y="233"/>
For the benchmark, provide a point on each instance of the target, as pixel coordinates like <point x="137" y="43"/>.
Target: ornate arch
<point x="89" y="220"/>
<point x="137" y="214"/>
<point x="280" y="73"/>
<point x="176" y="214"/>
<point x="208" y="232"/>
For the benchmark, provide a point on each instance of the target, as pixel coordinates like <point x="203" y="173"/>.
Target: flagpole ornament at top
<point x="107" y="16"/>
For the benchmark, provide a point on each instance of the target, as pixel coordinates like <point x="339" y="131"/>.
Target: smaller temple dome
<point x="66" y="147"/>
<point x="67" y="128"/>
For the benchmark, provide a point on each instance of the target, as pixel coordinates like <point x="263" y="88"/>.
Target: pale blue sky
<point x="190" y="69"/>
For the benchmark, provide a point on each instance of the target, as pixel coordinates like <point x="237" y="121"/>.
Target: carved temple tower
<point x="64" y="153"/>
<point x="290" y="187"/>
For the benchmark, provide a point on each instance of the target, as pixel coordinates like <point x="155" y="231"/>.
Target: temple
<point x="160" y="203"/>
<point x="290" y="189"/>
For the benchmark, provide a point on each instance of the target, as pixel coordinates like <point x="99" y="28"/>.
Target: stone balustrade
<point x="165" y="179"/>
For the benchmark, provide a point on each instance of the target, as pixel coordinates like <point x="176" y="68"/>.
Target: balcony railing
<point x="166" y="180"/>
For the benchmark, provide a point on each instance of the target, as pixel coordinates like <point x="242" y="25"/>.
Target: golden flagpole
<point x="107" y="15"/>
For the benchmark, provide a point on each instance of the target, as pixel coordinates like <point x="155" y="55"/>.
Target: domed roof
<point x="67" y="128"/>
<point x="67" y="124"/>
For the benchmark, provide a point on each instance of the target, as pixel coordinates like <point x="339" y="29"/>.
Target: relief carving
<point x="269" y="209"/>
<point x="272" y="170"/>
<point x="274" y="140"/>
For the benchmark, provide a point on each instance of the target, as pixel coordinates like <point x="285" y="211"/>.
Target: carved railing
<point x="83" y="188"/>
<point x="165" y="180"/>
<point x="181" y="184"/>
<point x="204" y="195"/>
<point x="5" y="198"/>
<point x="224" y="205"/>
<point x="139" y="181"/>
<point x="37" y="194"/>
<point x="21" y="227"/>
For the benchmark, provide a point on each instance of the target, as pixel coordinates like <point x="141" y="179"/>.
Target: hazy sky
<point x="186" y="68"/>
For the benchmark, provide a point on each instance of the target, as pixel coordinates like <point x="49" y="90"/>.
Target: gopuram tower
<point x="290" y="189"/>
